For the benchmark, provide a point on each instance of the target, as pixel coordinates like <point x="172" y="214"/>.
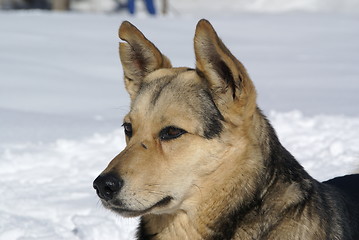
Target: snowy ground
<point x="62" y="101"/>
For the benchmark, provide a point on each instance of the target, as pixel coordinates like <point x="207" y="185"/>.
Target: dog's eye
<point x="128" y="129"/>
<point x="171" y="132"/>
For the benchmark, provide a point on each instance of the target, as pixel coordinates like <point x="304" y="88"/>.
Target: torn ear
<point x="227" y="77"/>
<point x="139" y="57"/>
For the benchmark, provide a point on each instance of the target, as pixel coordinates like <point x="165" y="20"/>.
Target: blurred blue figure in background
<point x="149" y="5"/>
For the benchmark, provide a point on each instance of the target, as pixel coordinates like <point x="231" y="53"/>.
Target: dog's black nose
<point x="107" y="185"/>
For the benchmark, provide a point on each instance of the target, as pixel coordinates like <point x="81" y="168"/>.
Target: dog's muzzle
<point x="107" y="186"/>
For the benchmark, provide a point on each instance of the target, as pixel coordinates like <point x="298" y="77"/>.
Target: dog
<point x="203" y="162"/>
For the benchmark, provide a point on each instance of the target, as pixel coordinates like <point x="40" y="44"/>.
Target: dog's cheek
<point x="197" y="157"/>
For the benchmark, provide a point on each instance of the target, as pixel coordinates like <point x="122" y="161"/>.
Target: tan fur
<point x="136" y="68"/>
<point x="205" y="177"/>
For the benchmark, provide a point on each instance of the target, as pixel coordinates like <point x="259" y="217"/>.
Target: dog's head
<point x="181" y="124"/>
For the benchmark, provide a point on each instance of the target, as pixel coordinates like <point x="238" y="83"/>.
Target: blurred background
<point x="62" y="97"/>
<point x="183" y="6"/>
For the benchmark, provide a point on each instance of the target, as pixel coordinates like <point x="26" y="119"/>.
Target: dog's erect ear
<point x="139" y="57"/>
<point x="227" y="77"/>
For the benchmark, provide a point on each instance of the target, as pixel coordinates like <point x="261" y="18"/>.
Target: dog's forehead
<point x="168" y="86"/>
<point x="169" y="96"/>
<point x="177" y="97"/>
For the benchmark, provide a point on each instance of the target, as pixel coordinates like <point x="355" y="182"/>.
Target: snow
<point x="267" y="6"/>
<point x="62" y="101"/>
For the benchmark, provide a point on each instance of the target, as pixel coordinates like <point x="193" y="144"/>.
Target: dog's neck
<point x="168" y="226"/>
<point x="214" y="214"/>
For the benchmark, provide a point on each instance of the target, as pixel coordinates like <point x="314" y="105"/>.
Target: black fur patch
<point x="227" y="76"/>
<point x="200" y="73"/>
<point x="348" y="184"/>
<point x="141" y="232"/>
<point x="212" y="117"/>
<point x="229" y="223"/>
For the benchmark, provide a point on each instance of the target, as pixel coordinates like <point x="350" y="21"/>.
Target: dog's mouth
<point x="128" y="212"/>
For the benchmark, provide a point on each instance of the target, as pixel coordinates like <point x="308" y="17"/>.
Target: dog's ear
<point x="139" y="57"/>
<point x="227" y="77"/>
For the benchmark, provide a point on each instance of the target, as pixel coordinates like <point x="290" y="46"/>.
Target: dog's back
<point x="348" y="184"/>
<point x="344" y="193"/>
<point x="346" y="188"/>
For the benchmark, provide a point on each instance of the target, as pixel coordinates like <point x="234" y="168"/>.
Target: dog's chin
<point x="128" y="212"/>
